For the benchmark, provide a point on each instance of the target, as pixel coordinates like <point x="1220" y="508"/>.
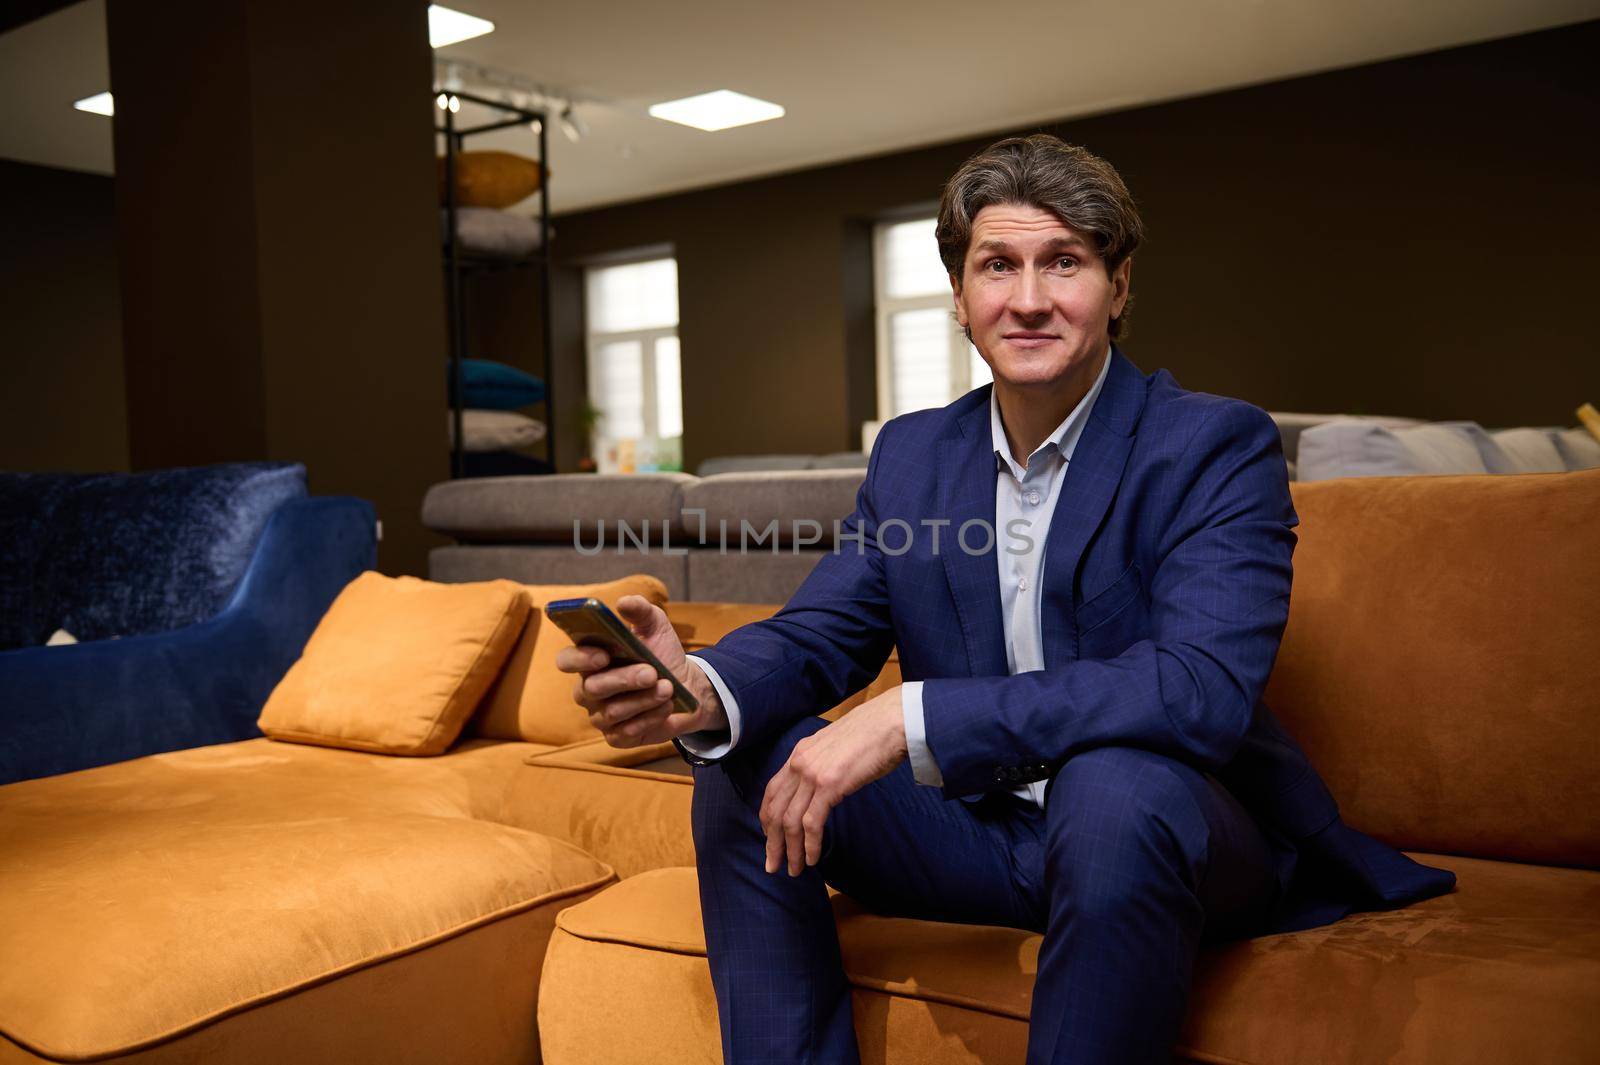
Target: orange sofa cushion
<point x="532" y="699"/>
<point x="491" y="179"/>
<point x="397" y="665"/>
<point x="1439" y="663"/>
<point x="1503" y="969"/>
<point x="144" y="903"/>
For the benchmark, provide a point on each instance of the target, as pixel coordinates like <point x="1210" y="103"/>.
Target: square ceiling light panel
<point x="446" y="26"/>
<point x="712" y="111"/>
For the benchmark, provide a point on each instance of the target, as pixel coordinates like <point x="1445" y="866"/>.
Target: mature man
<point x="1086" y="571"/>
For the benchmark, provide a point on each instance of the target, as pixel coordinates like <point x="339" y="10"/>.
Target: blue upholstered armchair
<point x="190" y="591"/>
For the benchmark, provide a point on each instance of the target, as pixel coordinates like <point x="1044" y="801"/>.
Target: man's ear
<point x="1121" y="282"/>
<point x="955" y="293"/>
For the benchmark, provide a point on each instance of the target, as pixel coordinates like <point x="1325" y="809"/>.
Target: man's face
<point x="1036" y="296"/>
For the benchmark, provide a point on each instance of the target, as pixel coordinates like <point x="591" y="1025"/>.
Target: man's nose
<point x="1028" y="297"/>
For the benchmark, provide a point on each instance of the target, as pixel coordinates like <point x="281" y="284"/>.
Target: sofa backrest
<point x="1439" y="665"/>
<point x="116" y="554"/>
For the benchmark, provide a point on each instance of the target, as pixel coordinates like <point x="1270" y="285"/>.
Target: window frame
<point x="648" y="339"/>
<point x="885" y="307"/>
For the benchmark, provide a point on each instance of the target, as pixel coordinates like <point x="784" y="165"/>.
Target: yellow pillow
<point x="491" y="179"/>
<point x="397" y="665"/>
<point x="532" y="700"/>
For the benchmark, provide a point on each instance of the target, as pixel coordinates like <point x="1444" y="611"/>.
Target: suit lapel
<point x="966" y="492"/>
<point x="1091" y="484"/>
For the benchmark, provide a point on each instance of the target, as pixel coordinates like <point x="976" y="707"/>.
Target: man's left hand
<point x="845" y="756"/>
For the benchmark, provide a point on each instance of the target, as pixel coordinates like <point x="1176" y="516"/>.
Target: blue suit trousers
<point x="1135" y="860"/>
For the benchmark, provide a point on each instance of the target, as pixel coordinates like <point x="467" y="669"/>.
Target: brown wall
<point x="1413" y="237"/>
<point x="61" y="405"/>
<point x="279" y="246"/>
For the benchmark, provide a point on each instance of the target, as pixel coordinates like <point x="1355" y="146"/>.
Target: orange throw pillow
<point x="532" y="700"/>
<point x="491" y="179"/>
<point x="397" y="665"/>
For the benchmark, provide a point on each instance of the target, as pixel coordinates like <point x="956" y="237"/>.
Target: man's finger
<point x="814" y="821"/>
<point x="621" y="708"/>
<point x="640" y="613"/>
<point x="794" y="837"/>
<point x="632" y="732"/>
<point x="581" y="659"/>
<point x="617" y="681"/>
<point x="780" y="789"/>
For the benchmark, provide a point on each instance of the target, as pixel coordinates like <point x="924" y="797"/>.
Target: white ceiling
<point x="857" y="77"/>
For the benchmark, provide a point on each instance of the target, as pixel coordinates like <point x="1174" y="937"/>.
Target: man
<point x="1086" y="571"/>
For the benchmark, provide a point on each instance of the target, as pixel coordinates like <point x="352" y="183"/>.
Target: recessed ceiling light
<point x="446" y="26"/>
<point x="722" y="109"/>
<point x="99" y="103"/>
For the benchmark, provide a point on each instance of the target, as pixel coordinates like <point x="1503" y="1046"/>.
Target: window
<point x="924" y="359"/>
<point x="635" y="381"/>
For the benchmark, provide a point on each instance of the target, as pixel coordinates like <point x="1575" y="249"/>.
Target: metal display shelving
<point x="458" y="264"/>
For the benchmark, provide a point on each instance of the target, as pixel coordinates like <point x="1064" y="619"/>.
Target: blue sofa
<point x="191" y="592"/>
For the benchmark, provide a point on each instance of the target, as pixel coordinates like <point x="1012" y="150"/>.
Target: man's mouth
<point x="1028" y="338"/>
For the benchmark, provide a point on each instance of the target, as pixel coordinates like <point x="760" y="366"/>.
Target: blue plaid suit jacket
<point x="1165" y="593"/>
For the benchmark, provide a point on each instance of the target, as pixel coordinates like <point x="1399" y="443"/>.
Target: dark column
<point x="278" y="238"/>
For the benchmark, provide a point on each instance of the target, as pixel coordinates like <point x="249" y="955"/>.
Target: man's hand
<point x="823" y="768"/>
<point x="629" y="704"/>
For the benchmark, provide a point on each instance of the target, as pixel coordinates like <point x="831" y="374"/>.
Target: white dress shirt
<point x="1024" y="502"/>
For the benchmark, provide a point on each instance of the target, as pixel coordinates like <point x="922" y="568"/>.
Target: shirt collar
<point x="1064" y="439"/>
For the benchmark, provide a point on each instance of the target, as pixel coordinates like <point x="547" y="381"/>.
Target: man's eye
<point x="1068" y="262"/>
<point x="996" y="265"/>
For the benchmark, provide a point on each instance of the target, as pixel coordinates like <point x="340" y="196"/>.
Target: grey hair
<point x="1069" y="181"/>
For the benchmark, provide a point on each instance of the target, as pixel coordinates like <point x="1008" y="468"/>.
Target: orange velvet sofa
<point x="1438" y="667"/>
<point x="272" y="902"/>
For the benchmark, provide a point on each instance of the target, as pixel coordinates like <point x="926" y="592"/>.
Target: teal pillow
<point x="493" y="385"/>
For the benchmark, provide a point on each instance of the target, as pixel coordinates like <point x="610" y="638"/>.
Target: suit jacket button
<point x="999" y="775"/>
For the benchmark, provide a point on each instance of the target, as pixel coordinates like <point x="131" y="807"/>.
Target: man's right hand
<point x="629" y="704"/>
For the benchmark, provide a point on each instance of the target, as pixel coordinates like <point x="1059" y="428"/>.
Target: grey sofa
<point x="731" y="537"/>
<point x="688" y="531"/>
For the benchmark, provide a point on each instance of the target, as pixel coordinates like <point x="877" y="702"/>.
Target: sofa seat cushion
<point x="1503" y="969"/>
<point x="143" y="901"/>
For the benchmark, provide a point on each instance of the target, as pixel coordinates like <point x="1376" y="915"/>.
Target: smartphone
<point x="591" y="623"/>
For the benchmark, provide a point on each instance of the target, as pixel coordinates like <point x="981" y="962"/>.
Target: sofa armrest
<point x="89" y="704"/>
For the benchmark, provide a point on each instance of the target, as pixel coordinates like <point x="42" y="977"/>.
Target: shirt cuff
<point x="708" y="743"/>
<point x="923" y="768"/>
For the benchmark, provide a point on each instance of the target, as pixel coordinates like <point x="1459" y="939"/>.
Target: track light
<point x="98" y="104"/>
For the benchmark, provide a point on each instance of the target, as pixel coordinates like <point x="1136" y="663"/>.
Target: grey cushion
<point x="554" y="564"/>
<point x="544" y="508"/>
<point x="1579" y="449"/>
<point x="1292" y="423"/>
<point x="839" y="460"/>
<point x="790" y="499"/>
<point x="748" y="463"/>
<point x="1351" y="447"/>
<point x="1530" y="450"/>
<point x="756" y="577"/>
